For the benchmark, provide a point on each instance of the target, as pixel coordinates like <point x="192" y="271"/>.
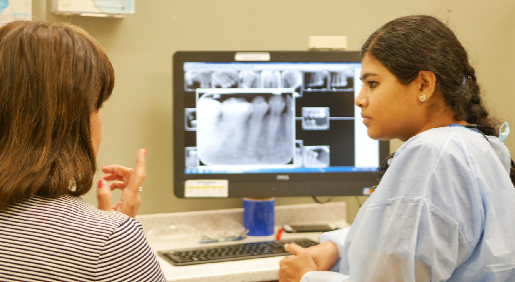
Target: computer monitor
<point x="270" y="124"/>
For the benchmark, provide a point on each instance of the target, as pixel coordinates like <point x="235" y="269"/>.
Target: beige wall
<point x="139" y="114"/>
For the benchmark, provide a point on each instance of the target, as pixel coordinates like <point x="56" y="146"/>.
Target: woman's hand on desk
<point x="128" y="180"/>
<point x="325" y="255"/>
<point x="294" y="267"/>
<point x="321" y="257"/>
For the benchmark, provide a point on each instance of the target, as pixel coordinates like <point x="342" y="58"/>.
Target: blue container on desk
<point x="259" y="216"/>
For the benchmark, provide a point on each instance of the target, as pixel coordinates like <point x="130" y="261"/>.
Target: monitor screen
<point x="270" y="124"/>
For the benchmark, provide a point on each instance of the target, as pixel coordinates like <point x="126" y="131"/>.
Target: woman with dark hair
<point x="54" y="79"/>
<point x="443" y="210"/>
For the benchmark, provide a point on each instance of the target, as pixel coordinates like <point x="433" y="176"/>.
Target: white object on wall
<point x="94" y="8"/>
<point x="328" y="42"/>
<point x="15" y="10"/>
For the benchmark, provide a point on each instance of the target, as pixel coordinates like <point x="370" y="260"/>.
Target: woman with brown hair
<point x="443" y="210"/>
<point x="54" y="79"/>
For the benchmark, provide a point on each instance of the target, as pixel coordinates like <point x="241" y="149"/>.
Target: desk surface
<point x="262" y="269"/>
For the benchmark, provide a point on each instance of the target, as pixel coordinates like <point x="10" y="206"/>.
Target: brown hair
<point x="53" y="76"/>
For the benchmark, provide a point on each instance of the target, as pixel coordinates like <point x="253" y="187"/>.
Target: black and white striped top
<point x="67" y="239"/>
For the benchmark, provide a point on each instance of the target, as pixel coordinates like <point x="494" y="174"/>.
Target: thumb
<point x="104" y="195"/>
<point x="293" y="248"/>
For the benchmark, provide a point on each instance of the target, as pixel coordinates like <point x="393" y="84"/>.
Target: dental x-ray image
<point x="249" y="79"/>
<point x="191" y="157"/>
<point x="299" y="155"/>
<point x="190" y="119"/>
<point x="194" y="79"/>
<point x="292" y="79"/>
<point x="271" y="79"/>
<point x="316" y="80"/>
<point x="225" y="79"/>
<point x="342" y="79"/>
<point x="315" y="118"/>
<point x="245" y="128"/>
<point x="316" y="156"/>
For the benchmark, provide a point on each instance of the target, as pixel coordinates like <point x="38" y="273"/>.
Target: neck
<point x="437" y="119"/>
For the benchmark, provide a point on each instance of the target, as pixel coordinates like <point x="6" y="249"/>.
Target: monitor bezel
<point x="264" y="185"/>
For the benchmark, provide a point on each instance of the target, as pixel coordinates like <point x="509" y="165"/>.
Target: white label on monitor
<point x="206" y="188"/>
<point x="242" y="56"/>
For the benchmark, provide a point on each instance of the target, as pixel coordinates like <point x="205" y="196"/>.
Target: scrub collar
<point x="504" y="130"/>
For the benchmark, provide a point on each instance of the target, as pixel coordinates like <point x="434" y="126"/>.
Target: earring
<point x="422" y="97"/>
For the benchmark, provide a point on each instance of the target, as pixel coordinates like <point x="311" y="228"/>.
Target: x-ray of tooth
<point x="190" y="119"/>
<point x="292" y="79"/>
<point x="271" y="79"/>
<point x="316" y="156"/>
<point x="342" y="79"/>
<point x="191" y="157"/>
<point x="249" y="79"/>
<point x="194" y="79"/>
<point x="225" y="79"/>
<point x="315" y="118"/>
<point x="245" y="128"/>
<point x="316" y="80"/>
<point x="299" y="156"/>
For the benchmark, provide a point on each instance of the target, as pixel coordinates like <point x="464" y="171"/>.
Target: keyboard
<point x="232" y="252"/>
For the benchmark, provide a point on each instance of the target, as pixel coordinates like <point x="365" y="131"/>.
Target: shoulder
<point x="440" y="138"/>
<point x="434" y="160"/>
<point x="448" y="143"/>
<point x="73" y="214"/>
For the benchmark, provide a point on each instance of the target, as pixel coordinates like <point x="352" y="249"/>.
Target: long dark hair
<point x="408" y="45"/>
<point x="52" y="78"/>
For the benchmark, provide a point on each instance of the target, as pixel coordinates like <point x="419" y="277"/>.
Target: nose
<point x="361" y="101"/>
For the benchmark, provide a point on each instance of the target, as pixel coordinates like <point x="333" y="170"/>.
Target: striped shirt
<point x="67" y="239"/>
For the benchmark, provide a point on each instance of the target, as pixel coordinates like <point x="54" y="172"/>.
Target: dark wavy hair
<point x="53" y="76"/>
<point x="408" y="45"/>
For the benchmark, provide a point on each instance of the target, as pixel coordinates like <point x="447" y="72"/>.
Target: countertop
<point x="263" y="269"/>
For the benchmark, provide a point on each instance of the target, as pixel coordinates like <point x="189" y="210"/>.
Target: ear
<point x="426" y="83"/>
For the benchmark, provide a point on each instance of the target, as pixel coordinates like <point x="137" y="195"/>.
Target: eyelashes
<point x="372" y="84"/>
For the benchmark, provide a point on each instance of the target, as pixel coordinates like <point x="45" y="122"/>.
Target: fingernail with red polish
<point x="145" y="152"/>
<point x="102" y="183"/>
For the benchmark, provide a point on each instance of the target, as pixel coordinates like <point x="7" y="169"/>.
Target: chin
<point x="373" y="134"/>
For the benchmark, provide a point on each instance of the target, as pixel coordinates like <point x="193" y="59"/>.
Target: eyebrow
<point x="363" y="77"/>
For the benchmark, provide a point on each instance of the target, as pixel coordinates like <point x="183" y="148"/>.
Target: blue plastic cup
<point x="259" y="216"/>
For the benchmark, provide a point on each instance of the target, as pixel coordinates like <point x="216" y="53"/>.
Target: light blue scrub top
<point x="444" y="211"/>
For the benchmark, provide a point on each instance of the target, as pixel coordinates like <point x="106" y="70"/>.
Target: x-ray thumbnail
<point x="315" y="118"/>
<point x="245" y="128"/>
<point x="194" y="79"/>
<point x="249" y="79"/>
<point x="225" y="79"/>
<point x="316" y="80"/>
<point x="191" y="157"/>
<point x="190" y="119"/>
<point x="292" y="79"/>
<point x="299" y="155"/>
<point x="271" y="79"/>
<point x="342" y="79"/>
<point x="316" y="156"/>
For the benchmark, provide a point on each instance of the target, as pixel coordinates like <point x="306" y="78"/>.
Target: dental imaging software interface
<point x="275" y="117"/>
